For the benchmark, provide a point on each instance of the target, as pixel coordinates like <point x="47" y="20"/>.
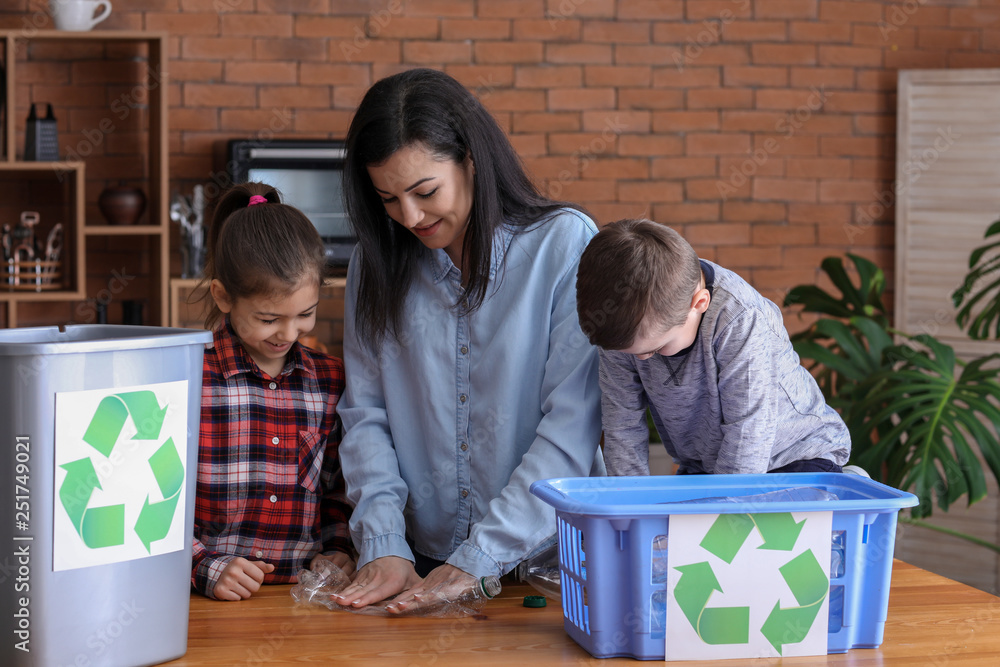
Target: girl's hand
<point x="340" y="559"/>
<point x="241" y="579"/>
<point x="378" y="580"/>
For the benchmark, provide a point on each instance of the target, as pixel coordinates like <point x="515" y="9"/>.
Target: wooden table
<point x="932" y="621"/>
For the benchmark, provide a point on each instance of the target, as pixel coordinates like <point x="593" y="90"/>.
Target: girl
<point x="470" y="376"/>
<point x="270" y="495"/>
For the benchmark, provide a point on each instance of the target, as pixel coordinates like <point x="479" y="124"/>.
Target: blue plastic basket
<point x="609" y="528"/>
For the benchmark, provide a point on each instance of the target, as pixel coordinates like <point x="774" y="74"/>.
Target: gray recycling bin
<point x="98" y="463"/>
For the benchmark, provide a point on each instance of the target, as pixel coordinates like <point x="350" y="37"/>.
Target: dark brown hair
<point x="265" y="249"/>
<point x="429" y="108"/>
<point x="634" y="273"/>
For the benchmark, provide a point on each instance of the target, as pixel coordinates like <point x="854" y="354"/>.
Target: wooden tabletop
<point x="932" y="621"/>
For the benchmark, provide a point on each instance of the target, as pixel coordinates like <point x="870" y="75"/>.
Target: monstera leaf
<point x="916" y="414"/>
<point x="984" y="278"/>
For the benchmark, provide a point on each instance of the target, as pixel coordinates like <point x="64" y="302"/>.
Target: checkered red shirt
<point x="269" y="481"/>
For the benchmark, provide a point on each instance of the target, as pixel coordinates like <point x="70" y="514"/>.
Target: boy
<point x="706" y="353"/>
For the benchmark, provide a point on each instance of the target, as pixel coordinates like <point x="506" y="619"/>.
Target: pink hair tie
<point x="257" y="199"/>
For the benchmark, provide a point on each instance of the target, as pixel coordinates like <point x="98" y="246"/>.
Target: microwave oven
<point x="308" y="175"/>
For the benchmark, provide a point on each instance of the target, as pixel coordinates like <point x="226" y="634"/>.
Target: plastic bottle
<point x="487" y="588"/>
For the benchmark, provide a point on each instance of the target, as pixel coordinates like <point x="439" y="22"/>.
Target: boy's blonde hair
<point x="634" y="275"/>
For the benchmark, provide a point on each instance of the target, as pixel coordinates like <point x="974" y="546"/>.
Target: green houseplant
<point x="916" y="413"/>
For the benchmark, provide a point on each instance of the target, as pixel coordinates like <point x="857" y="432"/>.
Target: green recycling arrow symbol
<point x="105" y="526"/>
<point x="803" y="574"/>
<point x="807" y="581"/>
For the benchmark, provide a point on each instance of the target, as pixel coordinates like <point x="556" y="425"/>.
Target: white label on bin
<point x="748" y="585"/>
<point x="121" y="461"/>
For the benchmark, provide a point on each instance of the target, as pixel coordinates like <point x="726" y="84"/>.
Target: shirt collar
<point x="442" y="266"/>
<point x="234" y="358"/>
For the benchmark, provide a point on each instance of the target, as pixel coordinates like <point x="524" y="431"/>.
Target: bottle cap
<point x="534" y="601"/>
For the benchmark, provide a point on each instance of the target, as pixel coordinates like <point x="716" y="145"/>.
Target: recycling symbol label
<point x="748" y="585"/>
<point x="121" y="461"/>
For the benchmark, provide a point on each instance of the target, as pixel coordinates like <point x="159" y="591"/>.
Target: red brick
<point x="219" y="95"/>
<point x="620" y="76"/>
<point x="507" y="52"/>
<point x="291" y="48"/>
<point x="744" y="257"/>
<point x="197" y="119"/>
<point x="582" y="143"/>
<point x="685" y="121"/>
<point x="679" y="35"/>
<point x="944" y="38"/>
<point x="735" y="168"/>
<point x="364" y="51"/>
<point x="704" y="189"/>
<point x="755" y="31"/>
<point x="689" y="77"/>
<point x="977" y="18"/>
<point x="216" y="48"/>
<point x="426" y="53"/>
<point x="783" y="54"/>
<point x="644" y="98"/>
<point x="256" y="25"/>
<point x="631" y="54"/>
<point x="881" y="169"/>
<point x="721" y="10"/>
<point x="582" y="54"/>
<point x="297" y="6"/>
<point x="616" y="121"/>
<point x="660" y="10"/>
<point x="529" y="144"/>
<point x="700" y="143"/>
<point x="875" y="101"/>
<point x="816" y="32"/>
<point x="552" y="167"/>
<point x="441" y="8"/>
<point x="650" y="191"/>
<point x="822" y="77"/>
<point x="296" y="97"/>
<point x="878" y="36"/>
<point x="789" y="142"/>
<point x="717" y="54"/>
<point x="187" y="23"/>
<point x="840" y="191"/>
<point x="547" y="30"/>
<point x="855" y="146"/>
<point x="511" y="9"/>
<point x="333" y="74"/>
<point x="803" y="102"/>
<point x="404" y="27"/>
<point x="548" y="76"/>
<point x="579" y="99"/>
<point x="616" y="32"/>
<point x="839" y="168"/>
<point x="250" y="121"/>
<point x="605" y="213"/>
<point x="589" y="190"/>
<point x="251" y="72"/>
<point x="651" y="145"/>
<point x="912" y="59"/>
<point x="191" y="71"/>
<point x="723" y="98"/>
<point x="848" y="12"/>
<point x="786" y="9"/>
<point x="819" y="214"/>
<point x="784" y="189"/>
<point x="683" y="167"/>
<point x="962" y="60"/>
<point x="483" y="77"/>
<point x="619" y="167"/>
<point x="546" y="122"/>
<point x="475" y="29"/>
<point x="740" y="211"/>
<point x="750" y="121"/>
<point x="754" y="76"/>
<point x="330" y="26"/>
<point x="849" y="56"/>
<point x="722" y="233"/>
<point x="332" y="121"/>
<point x="686" y="212"/>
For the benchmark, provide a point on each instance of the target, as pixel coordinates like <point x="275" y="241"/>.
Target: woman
<point x="468" y="375"/>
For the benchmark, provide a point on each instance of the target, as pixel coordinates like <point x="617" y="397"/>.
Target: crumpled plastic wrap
<point x="316" y="587"/>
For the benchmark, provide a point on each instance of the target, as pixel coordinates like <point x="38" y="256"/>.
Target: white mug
<point x="78" y="15"/>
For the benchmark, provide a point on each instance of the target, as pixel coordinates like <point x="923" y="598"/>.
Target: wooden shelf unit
<point x="14" y="44"/>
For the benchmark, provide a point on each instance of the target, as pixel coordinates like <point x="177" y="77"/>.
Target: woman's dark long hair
<point x="430" y="108"/>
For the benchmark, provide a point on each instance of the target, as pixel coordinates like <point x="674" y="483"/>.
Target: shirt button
<point x="260" y="554"/>
<point x="463" y="398"/>
<point x="274" y="499"/>
<point x="465" y="493"/>
<point x="464" y="446"/>
<point x="275" y="440"/>
<point x="464" y="349"/>
<point x="272" y="386"/>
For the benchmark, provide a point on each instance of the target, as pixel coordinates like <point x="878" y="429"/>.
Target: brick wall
<point x="763" y="130"/>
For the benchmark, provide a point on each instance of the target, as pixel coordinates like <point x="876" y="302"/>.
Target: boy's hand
<point x="241" y="579"/>
<point x="378" y="580"/>
<point x="340" y="559"/>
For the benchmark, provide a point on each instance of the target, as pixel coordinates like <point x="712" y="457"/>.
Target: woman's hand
<point x="444" y="583"/>
<point x="240" y="579"/>
<point x="378" y="580"/>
